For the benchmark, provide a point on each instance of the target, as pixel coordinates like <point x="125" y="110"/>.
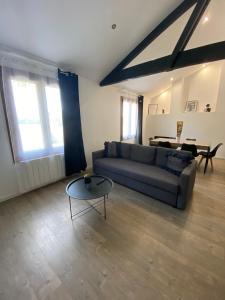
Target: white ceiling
<point x="77" y="34"/>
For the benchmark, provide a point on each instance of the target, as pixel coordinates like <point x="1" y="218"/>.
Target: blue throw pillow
<point x="112" y="149"/>
<point x="177" y="162"/>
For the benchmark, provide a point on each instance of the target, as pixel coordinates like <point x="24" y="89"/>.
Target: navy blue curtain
<point x="73" y="142"/>
<point x="140" y="119"/>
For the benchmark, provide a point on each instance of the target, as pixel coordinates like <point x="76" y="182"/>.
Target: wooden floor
<point x="144" y="250"/>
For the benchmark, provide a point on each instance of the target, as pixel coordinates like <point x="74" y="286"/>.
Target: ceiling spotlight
<point x="205" y="20"/>
<point x="113" y="26"/>
<point x="171" y="78"/>
<point x="204" y="65"/>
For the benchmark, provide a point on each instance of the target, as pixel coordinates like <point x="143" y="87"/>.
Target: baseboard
<point x="8" y="197"/>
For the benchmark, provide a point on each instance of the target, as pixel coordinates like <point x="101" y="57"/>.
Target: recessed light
<point x="206" y="19"/>
<point x="204" y="65"/>
<point x="113" y="26"/>
<point x="171" y="78"/>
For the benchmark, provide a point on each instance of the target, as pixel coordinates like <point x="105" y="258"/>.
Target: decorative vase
<point x="179" y="128"/>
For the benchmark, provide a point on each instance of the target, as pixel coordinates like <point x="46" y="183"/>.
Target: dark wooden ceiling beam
<point x="189" y="28"/>
<point x="170" y="19"/>
<point x="201" y="55"/>
<point x="179" y="58"/>
<point x="204" y="54"/>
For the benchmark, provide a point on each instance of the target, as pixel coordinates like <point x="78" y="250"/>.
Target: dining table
<point x="177" y="142"/>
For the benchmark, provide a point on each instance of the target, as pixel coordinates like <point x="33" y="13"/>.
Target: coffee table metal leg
<point x="70" y="208"/>
<point x="104" y="208"/>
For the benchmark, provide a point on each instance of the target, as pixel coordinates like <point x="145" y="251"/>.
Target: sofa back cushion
<point x="143" y="154"/>
<point x="125" y="149"/>
<point x="163" y="153"/>
<point x="110" y="150"/>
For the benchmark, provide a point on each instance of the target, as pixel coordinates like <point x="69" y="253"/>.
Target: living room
<point x="112" y="147"/>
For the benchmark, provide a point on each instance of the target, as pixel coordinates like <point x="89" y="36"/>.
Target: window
<point x="129" y="118"/>
<point x="55" y="115"/>
<point x="34" y="115"/>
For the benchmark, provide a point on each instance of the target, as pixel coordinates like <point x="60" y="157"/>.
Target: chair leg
<point x="211" y="164"/>
<point x="206" y="164"/>
<point x="200" y="161"/>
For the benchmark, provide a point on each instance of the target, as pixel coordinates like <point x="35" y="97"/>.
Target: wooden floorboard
<point x="144" y="250"/>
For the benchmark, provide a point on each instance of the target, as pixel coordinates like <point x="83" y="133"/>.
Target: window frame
<point x="14" y="132"/>
<point x="130" y="137"/>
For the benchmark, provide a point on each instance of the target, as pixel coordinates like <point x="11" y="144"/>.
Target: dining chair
<point x="191" y="148"/>
<point x="164" y="144"/>
<point x="208" y="156"/>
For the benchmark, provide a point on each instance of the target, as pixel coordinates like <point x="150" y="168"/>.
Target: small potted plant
<point x="87" y="180"/>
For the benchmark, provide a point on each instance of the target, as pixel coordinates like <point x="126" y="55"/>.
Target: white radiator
<point x="39" y="172"/>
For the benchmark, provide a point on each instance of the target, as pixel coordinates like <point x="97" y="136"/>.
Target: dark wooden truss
<point x="179" y="58"/>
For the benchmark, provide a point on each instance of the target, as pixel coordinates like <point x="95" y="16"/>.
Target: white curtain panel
<point x="130" y="115"/>
<point x="33" y="108"/>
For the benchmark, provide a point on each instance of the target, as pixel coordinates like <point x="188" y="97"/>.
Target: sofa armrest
<point x="186" y="184"/>
<point x="96" y="155"/>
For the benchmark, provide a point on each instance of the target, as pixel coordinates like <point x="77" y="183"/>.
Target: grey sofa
<point x="142" y="168"/>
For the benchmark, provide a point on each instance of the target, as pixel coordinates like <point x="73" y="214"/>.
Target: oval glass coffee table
<point x="99" y="187"/>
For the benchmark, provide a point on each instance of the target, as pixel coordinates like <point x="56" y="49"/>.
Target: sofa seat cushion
<point x="148" y="174"/>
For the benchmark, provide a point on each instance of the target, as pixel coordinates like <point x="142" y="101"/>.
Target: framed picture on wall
<point x="152" y="109"/>
<point x="191" y="106"/>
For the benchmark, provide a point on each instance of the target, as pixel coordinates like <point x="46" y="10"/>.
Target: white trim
<point x="26" y="55"/>
<point x="128" y="94"/>
<point x="26" y="62"/>
<point x="11" y="196"/>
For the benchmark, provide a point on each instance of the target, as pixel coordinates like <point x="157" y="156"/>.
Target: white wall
<point x="203" y="86"/>
<point x="163" y="101"/>
<point x="204" y="126"/>
<point x="100" y="117"/>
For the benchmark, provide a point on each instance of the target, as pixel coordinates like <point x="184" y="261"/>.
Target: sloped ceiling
<point x="207" y="32"/>
<point x="77" y="33"/>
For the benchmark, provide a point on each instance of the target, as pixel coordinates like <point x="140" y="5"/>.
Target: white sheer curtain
<point x="33" y="108"/>
<point x="129" y="117"/>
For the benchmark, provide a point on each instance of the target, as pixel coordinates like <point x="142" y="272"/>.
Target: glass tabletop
<point x="99" y="186"/>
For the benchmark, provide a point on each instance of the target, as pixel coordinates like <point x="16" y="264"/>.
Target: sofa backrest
<point x="125" y="150"/>
<point x="149" y="154"/>
<point x="139" y="153"/>
<point x="162" y="155"/>
<point x="143" y="154"/>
